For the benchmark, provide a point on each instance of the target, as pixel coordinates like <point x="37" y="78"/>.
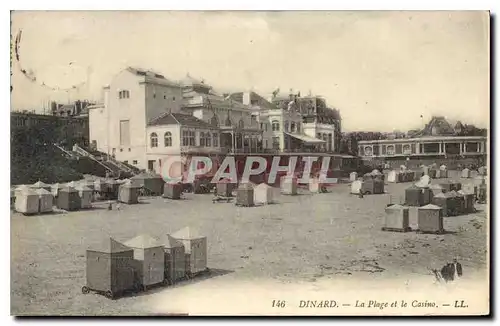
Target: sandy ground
<point x="306" y="239"/>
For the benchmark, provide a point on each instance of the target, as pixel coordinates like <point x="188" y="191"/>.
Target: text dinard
<point x="367" y="304"/>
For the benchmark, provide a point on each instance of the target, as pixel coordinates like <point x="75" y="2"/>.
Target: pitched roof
<point x="143" y="241"/>
<point x="431" y="206"/>
<point x="180" y="119"/>
<point x="40" y="184"/>
<point x="187" y="233"/>
<point x="438" y="126"/>
<point x="169" y="242"/>
<point x="109" y="246"/>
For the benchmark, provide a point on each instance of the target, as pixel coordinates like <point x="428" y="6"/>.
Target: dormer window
<point x="123" y="94"/>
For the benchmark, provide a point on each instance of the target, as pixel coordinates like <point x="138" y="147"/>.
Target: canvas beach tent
<point x="46" y="200"/>
<point x="195" y="245"/>
<point x="27" y="201"/>
<point x="149" y="259"/>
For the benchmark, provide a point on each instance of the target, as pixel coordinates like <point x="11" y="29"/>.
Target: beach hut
<point x="264" y="194"/>
<point x="425" y="169"/>
<point x="87" y="183"/>
<point x="55" y="188"/>
<point x="149" y="260"/>
<point x="68" y="199"/>
<point x="27" y="201"/>
<point x="19" y="189"/>
<point x="396" y="218"/>
<point x="356" y="187"/>
<point x="86" y="196"/>
<point x="449" y="185"/>
<point x="101" y="186"/>
<point x="112" y="188"/>
<point x="195" y="246"/>
<point x="447" y="203"/>
<point x="430" y="219"/>
<point x="152" y="183"/>
<point x="109" y="269"/>
<point x="417" y="196"/>
<point x="175" y="259"/>
<point x="459" y="202"/>
<point x="46" y="200"/>
<point x="41" y="185"/>
<point x="172" y="190"/>
<point x="482" y="170"/>
<point x="443" y="172"/>
<point x="466" y="173"/>
<point x="411" y="175"/>
<point x="288" y="185"/>
<point x="353" y="176"/>
<point x="128" y="193"/>
<point x="432" y="172"/>
<point x="225" y="188"/>
<point x="470" y="188"/>
<point x="367" y="176"/>
<point x="435" y="189"/>
<point x="481" y="197"/>
<point x="372" y="186"/>
<point x="245" y="195"/>
<point x="468" y="201"/>
<point x="394" y="176"/>
<point x="316" y="186"/>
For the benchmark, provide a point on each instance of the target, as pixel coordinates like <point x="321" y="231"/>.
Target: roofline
<point x="435" y="138"/>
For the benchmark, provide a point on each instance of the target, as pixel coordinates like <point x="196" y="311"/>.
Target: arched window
<point x="319" y="136"/>
<point x="228" y="122"/>
<point x="241" y="124"/>
<point x="292" y="126"/>
<point x="276" y="125"/>
<point x="286" y="126"/>
<point x="154" y="140"/>
<point x="202" y="139"/>
<point x="168" y="139"/>
<point x="390" y="150"/>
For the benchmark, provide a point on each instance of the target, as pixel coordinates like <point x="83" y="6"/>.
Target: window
<point x="202" y="139"/>
<point x="298" y="126"/>
<point x="153" y="140"/>
<point x="173" y="98"/>
<point x="406" y="149"/>
<point x="215" y="139"/>
<point x="292" y="127"/>
<point x="208" y="140"/>
<point x="275" y="125"/>
<point x="134" y="162"/>
<point x="167" y="138"/>
<point x="266" y="143"/>
<point x="154" y="95"/>
<point x="121" y="149"/>
<point x="164" y="97"/>
<point x="265" y="126"/>
<point x="113" y="151"/>
<point x="286" y="126"/>
<point x="188" y="138"/>
<point x="261" y="126"/>
<point x="123" y="94"/>
<point x="319" y="136"/>
<point x="241" y="124"/>
<point x="129" y="149"/>
<point x="390" y="150"/>
<point x="276" y="143"/>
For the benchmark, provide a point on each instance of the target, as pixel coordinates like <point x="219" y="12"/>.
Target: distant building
<point x="62" y="129"/>
<point x="439" y="139"/>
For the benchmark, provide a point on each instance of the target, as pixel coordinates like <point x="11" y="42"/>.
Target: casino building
<point x="438" y="140"/>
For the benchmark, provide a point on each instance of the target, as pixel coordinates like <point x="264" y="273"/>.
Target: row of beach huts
<point x="433" y="201"/>
<point x="40" y="198"/>
<point x="116" y="268"/>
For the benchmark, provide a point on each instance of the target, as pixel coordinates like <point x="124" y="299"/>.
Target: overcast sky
<point x="382" y="70"/>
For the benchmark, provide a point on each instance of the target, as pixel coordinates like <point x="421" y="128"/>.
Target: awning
<point x="306" y="139"/>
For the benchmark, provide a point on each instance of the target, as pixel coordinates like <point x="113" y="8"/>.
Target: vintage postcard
<point x="281" y="163"/>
